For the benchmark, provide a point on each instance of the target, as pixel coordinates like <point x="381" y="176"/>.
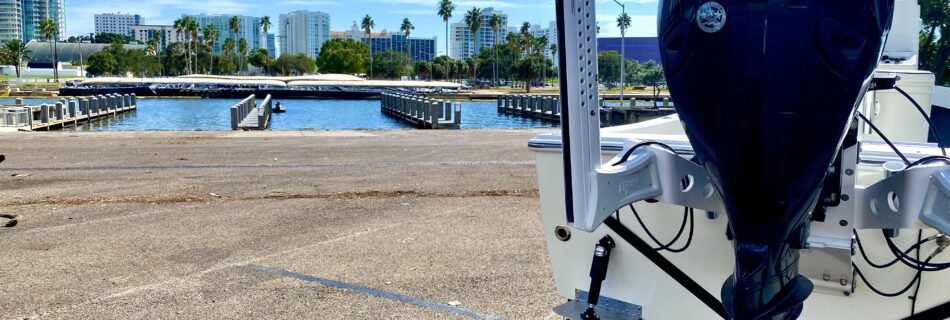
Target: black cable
<point x="929" y="159"/>
<point x="887" y="294"/>
<point x="923" y="113"/>
<point x="867" y="259"/>
<point x="686" y="216"/>
<point x="886" y="140"/>
<point x="914" y="263"/>
<point x="920" y="278"/>
<point x="626" y="155"/>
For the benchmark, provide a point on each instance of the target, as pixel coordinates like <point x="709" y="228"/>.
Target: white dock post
<point x="666" y="102"/>
<point x="19" y="101"/>
<point x="135" y="102"/>
<point x="458" y="115"/>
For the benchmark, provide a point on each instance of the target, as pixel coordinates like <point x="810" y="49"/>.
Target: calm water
<point x="214" y="114"/>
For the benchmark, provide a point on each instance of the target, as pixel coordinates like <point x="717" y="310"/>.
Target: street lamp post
<point x="623" y="51"/>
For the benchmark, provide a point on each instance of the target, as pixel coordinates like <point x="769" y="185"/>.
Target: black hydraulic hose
<point x="660" y="261"/>
<point x="626" y="156"/>
<point x="889" y="294"/>
<point x="933" y="128"/>
<point x="926" y="160"/>
<point x="914" y="263"/>
<point x="686" y="216"/>
<point x="867" y="259"/>
<point x="883" y="137"/>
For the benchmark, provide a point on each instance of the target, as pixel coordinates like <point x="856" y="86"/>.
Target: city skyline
<point x="80" y="13"/>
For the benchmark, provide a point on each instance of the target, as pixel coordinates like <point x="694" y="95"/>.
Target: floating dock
<point x="67" y="112"/>
<point x="248" y="115"/>
<point x="423" y="113"/>
<point x="530" y="106"/>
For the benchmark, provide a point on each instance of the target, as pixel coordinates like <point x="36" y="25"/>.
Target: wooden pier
<point x="248" y="115"/>
<point x="67" y="112"/>
<point x="421" y="112"/>
<point x="545" y="108"/>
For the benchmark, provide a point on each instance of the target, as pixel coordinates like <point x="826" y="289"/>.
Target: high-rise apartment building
<point x="118" y="23"/>
<point x="463" y="42"/>
<point x="11" y="20"/>
<point x="272" y="46"/>
<point x="20" y="19"/>
<point x="304" y="32"/>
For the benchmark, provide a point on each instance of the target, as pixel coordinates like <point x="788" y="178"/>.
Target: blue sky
<point x="387" y="14"/>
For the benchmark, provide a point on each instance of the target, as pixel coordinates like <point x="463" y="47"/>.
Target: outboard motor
<point x="766" y="91"/>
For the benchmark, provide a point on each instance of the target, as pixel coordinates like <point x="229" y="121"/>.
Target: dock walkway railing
<point x="248" y="115"/>
<point x="530" y="106"/>
<point x="421" y="112"/>
<point x="67" y="112"/>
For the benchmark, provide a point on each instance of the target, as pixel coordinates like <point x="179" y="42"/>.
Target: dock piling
<point x="419" y="111"/>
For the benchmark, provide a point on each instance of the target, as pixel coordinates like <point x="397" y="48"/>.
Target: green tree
<point x="442" y="67"/>
<point x="608" y="66"/>
<point x="367" y="24"/>
<point x="390" y="64"/>
<point x="224" y="65"/>
<point x="423" y="69"/>
<point x="935" y="53"/>
<point x="652" y="75"/>
<point x="16" y="54"/>
<point x="106" y="37"/>
<point x="527" y="69"/>
<point x="260" y="58"/>
<point x="50" y="32"/>
<point x="474" y="19"/>
<point x="297" y="64"/>
<point x="101" y="63"/>
<point x="343" y="56"/>
<point x="445" y="11"/>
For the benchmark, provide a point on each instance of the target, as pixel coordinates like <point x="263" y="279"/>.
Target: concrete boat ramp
<point x="272" y="225"/>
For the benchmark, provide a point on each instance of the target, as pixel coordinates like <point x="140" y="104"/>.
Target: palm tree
<point x="623" y="22"/>
<point x="211" y="35"/>
<point x="474" y="19"/>
<point x="495" y="23"/>
<point x="193" y="29"/>
<point x="235" y="26"/>
<point x="242" y="50"/>
<point x="542" y="43"/>
<point x="181" y="26"/>
<point x="407" y="27"/>
<point x="265" y="26"/>
<point x="368" y="26"/>
<point x="50" y="31"/>
<point x="157" y="39"/>
<point x="16" y="54"/>
<point x="228" y="47"/>
<point x="445" y="11"/>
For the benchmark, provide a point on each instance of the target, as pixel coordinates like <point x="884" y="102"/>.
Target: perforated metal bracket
<point x="648" y="173"/>
<point x="906" y="199"/>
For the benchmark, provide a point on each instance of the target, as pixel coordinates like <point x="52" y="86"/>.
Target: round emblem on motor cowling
<point x="710" y="17"/>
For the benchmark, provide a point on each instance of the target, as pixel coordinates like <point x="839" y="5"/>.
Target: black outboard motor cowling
<point x="766" y="91"/>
